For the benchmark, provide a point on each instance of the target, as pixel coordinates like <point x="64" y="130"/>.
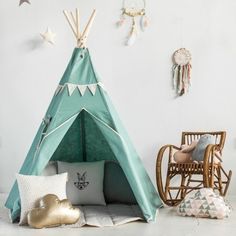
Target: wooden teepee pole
<point x="73" y="19"/>
<point x="84" y="35"/>
<point x="71" y="25"/>
<point x="77" y="22"/>
<point x="74" y="23"/>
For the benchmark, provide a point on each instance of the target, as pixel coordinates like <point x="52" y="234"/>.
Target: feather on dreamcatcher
<point x="133" y="9"/>
<point x="182" y="71"/>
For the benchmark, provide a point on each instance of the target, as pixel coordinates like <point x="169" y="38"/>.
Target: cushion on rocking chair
<point x="204" y="141"/>
<point x="204" y="203"/>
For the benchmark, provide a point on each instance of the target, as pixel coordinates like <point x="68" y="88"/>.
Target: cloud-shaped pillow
<point x="204" y="203"/>
<point x="53" y="212"/>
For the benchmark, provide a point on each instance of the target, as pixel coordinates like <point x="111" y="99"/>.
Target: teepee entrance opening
<point x="83" y="141"/>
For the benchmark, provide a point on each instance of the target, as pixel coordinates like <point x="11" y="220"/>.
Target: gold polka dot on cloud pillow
<point x="52" y="212"/>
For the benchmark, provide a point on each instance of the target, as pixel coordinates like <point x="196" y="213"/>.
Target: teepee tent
<point x="81" y="125"/>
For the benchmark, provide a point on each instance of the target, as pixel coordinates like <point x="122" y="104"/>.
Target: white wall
<point x="138" y="78"/>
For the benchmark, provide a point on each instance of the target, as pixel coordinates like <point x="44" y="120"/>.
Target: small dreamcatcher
<point x="133" y="9"/>
<point x="182" y="71"/>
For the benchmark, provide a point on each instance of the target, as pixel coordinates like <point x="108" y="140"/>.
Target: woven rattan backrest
<point x="189" y="137"/>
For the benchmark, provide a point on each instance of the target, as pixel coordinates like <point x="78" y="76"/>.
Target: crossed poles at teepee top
<point x="74" y="23"/>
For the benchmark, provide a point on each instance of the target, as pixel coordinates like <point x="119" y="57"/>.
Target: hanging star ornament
<point x="48" y="36"/>
<point x="23" y="1"/>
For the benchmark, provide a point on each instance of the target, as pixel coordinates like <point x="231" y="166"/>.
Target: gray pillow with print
<point x="204" y="141"/>
<point x="85" y="182"/>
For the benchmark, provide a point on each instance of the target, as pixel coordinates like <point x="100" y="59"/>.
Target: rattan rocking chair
<point x="182" y="178"/>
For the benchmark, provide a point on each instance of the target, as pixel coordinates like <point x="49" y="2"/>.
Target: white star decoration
<point x="49" y="36"/>
<point x="22" y="1"/>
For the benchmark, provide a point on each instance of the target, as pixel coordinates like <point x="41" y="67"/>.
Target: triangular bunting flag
<point x="101" y="85"/>
<point x="71" y="88"/>
<point x="58" y="90"/>
<point x="82" y="89"/>
<point x="92" y="88"/>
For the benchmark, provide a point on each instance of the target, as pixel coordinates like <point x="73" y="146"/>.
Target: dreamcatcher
<point x="133" y="9"/>
<point x="181" y="71"/>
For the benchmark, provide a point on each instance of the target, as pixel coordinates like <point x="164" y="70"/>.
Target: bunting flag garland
<point x="81" y="88"/>
<point x="92" y="88"/>
<point x="101" y="85"/>
<point x="71" y="88"/>
<point x="129" y="10"/>
<point x="182" y="71"/>
<point x="58" y="90"/>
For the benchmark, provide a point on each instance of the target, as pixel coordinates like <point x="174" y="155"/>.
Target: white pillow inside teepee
<point x="33" y="188"/>
<point x="204" y="203"/>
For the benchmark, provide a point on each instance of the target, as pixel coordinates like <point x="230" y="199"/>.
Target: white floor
<point x="168" y="224"/>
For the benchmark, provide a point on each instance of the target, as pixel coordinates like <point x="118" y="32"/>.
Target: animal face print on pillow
<point x="81" y="183"/>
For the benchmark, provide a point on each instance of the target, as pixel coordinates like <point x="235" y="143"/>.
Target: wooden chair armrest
<point x="167" y="148"/>
<point x="209" y="153"/>
<point x="163" y="150"/>
<point x="208" y="164"/>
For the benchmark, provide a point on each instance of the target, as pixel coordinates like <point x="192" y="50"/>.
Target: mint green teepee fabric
<point x="81" y="124"/>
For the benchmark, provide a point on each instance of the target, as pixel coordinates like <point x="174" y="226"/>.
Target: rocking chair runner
<point x="192" y="175"/>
